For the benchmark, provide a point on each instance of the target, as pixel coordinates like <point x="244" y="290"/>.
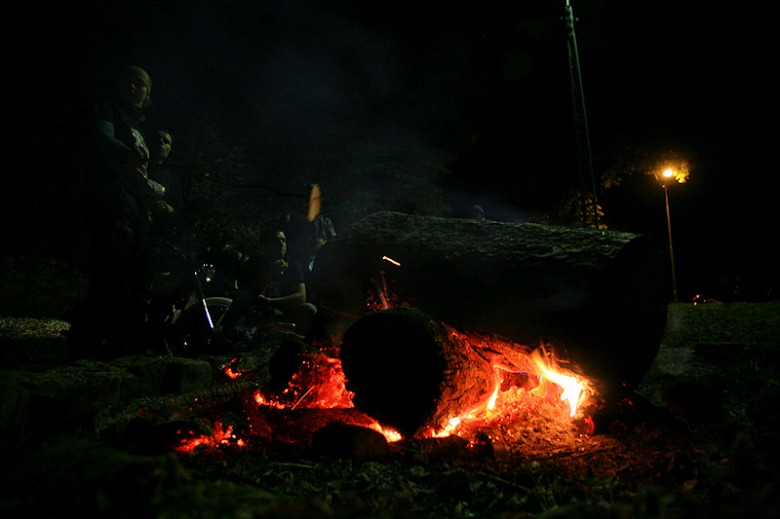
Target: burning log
<point x="340" y="440"/>
<point x="408" y="371"/>
<point x="422" y="377"/>
<point x="596" y="297"/>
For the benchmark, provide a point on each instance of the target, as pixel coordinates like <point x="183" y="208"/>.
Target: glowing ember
<point x="318" y="384"/>
<point x="267" y="401"/>
<point x="230" y="373"/>
<point x="228" y="370"/>
<point x="218" y="438"/>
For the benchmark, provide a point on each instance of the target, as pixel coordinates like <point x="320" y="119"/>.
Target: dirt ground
<point x="698" y="438"/>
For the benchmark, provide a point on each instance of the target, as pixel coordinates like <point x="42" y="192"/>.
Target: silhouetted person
<point x="167" y="207"/>
<point x="119" y="208"/>
<point x="307" y="232"/>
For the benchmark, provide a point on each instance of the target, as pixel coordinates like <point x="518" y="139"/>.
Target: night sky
<point x="483" y="87"/>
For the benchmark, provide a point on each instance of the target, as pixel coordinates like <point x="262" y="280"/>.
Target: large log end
<point x="597" y="297"/>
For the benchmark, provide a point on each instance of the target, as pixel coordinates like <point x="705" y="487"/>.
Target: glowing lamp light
<point x="668" y="173"/>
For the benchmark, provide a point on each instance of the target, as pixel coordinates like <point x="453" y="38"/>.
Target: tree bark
<point x="595" y="297"/>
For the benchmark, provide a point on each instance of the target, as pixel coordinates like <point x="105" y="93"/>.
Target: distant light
<point x="668" y="173"/>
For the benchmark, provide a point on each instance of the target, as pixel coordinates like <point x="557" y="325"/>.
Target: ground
<point x="698" y="438"/>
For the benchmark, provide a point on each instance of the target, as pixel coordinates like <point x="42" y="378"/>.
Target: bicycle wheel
<point x="197" y="327"/>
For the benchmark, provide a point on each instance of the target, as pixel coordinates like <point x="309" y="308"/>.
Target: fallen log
<point x="596" y="297"/>
<point x="408" y="371"/>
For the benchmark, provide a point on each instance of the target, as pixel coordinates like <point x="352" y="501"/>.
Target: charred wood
<point x="339" y="440"/>
<point x="597" y="297"/>
<point x="408" y="371"/>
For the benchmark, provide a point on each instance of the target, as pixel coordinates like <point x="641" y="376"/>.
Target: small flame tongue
<point x="572" y="389"/>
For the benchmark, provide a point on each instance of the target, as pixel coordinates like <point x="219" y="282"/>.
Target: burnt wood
<point x="409" y="371"/>
<point x="597" y="298"/>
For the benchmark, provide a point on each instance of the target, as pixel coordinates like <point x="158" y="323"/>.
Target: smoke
<point x="310" y="93"/>
<point x="375" y="107"/>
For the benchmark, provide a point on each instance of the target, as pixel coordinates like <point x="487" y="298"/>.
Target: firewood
<point x="410" y="372"/>
<point x="597" y="297"/>
<point x="339" y="440"/>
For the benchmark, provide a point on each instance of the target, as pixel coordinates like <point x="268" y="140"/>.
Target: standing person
<point x="160" y="147"/>
<point x="166" y="268"/>
<point x="307" y="232"/>
<point x="119" y="209"/>
<point x="167" y="206"/>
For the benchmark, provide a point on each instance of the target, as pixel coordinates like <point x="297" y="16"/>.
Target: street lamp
<point x="668" y="176"/>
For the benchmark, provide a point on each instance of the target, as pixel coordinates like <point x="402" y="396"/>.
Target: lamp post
<point x="667" y="176"/>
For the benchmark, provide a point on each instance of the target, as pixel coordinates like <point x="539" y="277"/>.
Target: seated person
<point x="273" y="286"/>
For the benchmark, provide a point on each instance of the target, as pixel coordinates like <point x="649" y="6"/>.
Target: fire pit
<point x="439" y="327"/>
<point x="593" y="297"/>
<point x="512" y="412"/>
<point x="304" y="443"/>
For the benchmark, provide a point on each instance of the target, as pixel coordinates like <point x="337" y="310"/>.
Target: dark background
<point x="483" y="89"/>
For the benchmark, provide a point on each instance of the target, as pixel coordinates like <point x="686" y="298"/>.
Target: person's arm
<point x="293" y="300"/>
<point x="106" y="143"/>
<point x="295" y="293"/>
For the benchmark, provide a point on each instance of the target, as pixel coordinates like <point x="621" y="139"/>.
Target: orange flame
<point x="320" y="384"/>
<point x="390" y="434"/>
<point x="572" y="388"/>
<point x="552" y="383"/>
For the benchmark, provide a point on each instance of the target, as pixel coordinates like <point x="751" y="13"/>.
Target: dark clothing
<point x="256" y="267"/>
<point x="165" y="225"/>
<point x="116" y="128"/>
<point x="170" y="181"/>
<point x="303" y="235"/>
<point x="118" y="211"/>
<point x="257" y="313"/>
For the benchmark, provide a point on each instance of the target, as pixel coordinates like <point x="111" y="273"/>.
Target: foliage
<point x="649" y="159"/>
<point x="577" y="210"/>
<point x="622" y="165"/>
<point x="389" y="183"/>
<point x="260" y="177"/>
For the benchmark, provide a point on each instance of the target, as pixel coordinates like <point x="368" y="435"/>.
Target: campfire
<point x="442" y="328"/>
<point x="430" y="329"/>
<point x="547" y="391"/>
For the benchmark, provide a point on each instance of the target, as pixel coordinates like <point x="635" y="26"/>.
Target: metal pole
<point x="582" y="135"/>
<point x="671" y="249"/>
